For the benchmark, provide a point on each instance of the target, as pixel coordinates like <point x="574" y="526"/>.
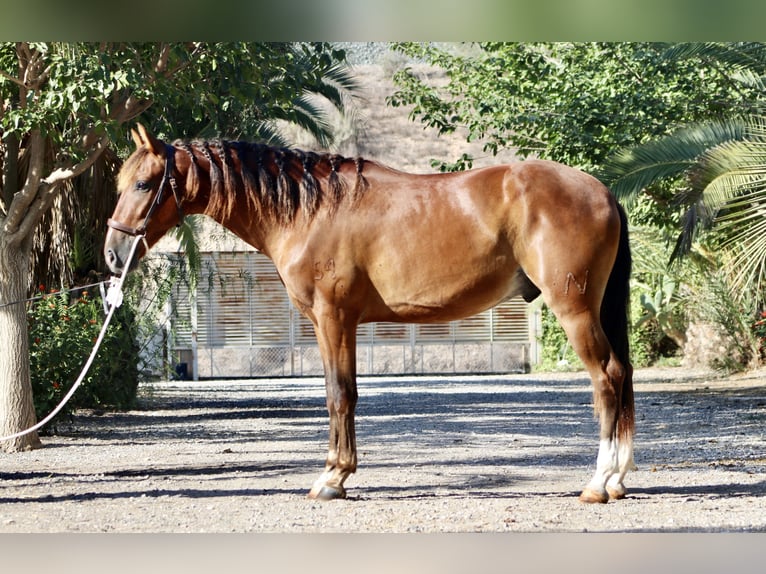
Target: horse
<point x="355" y="241"/>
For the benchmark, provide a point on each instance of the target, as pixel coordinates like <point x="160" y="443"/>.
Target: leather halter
<point x="167" y="178"/>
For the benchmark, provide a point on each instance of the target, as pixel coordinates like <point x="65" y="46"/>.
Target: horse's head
<point x="149" y="203"/>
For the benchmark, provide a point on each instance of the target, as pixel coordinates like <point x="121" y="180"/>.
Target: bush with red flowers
<point x="62" y="331"/>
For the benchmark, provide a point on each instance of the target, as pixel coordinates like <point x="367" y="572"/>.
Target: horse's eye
<point x="142" y="185"/>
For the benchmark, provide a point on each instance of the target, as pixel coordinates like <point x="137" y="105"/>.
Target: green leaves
<point x="79" y="94"/>
<point x="574" y="103"/>
<point x="231" y="88"/>
<point x="677" y="131"/>
<point x="62" y="331"/>
<point x="721" y="165"/>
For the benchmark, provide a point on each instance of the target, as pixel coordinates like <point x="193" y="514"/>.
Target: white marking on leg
<point x="625" y="455"/>
<point x="615" y="484"/>
<point x="606" y="465"/>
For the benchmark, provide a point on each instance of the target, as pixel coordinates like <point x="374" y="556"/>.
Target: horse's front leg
<point x="337" y="343"/>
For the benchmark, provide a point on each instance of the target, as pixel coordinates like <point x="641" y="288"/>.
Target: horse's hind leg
<point x="615" y="454"/>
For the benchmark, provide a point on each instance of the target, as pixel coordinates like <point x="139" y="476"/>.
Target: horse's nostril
<point x="112" y="260"/>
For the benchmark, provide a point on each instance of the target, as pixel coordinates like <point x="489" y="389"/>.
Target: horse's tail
<point x="615" y="320"/>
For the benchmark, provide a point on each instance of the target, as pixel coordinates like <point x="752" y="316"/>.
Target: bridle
<point x="167" y="178"/>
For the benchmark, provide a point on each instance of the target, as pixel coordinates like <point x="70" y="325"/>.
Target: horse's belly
<point x="450" y="265"/>
<point x="439" y="297"/>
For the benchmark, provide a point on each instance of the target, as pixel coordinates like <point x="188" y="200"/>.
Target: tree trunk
<point x="17" y="410"/>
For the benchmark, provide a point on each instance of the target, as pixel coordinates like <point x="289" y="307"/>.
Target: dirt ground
<point x="437" y="454"/>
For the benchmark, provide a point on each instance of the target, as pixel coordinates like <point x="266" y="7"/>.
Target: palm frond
<point x="730" y="172"/>
<point x="746" y="266"/>
<point x="309" y="114"/>
<point x="337" y="85"/>
<point x="750" y="79"/>
<point x="632" y="170"/>
<point x="187" y="233"/>
<point x="267" y="132"/>
<point x="650" y="248"/>
<point x="734" y="185"/>
<point x="734" y="55"/>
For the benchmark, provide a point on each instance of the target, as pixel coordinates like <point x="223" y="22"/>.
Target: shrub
<point x="649" y="340"/>
<point x="556" y="353"/>
<point x="62" y="332"/>
<point x="729" y="313"/>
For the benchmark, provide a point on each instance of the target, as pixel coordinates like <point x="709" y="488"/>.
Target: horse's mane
<point x="277" y="182"/>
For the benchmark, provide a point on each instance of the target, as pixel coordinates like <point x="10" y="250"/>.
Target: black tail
<point x="615" y="320"/>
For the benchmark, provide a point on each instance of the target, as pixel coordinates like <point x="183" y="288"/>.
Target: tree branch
<point x="24" y="198"/>
<point x="120" y="112"/>
<point x="12" y="79"/>
<point x="38" y="208"/>
<point x="31" y="203"/>
<point x="22" y="49"/>
<point x="162" y="61"/>
<point x="10" y="170"/>
<point x="51" y="185"/>
<point x="129" y="109"/>
<point x="44" y="75"/>
<point x="192" y="56"/>
<point x="61" y="174"/>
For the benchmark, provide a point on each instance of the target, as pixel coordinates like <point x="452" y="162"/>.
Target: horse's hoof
<point x="590" y="496"/>
<point x="617" y="492"/>
<point x="327" y="493"/>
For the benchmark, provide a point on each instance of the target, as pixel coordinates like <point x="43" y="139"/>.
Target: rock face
<point x="386" y="134"/>
<point x="708" y="346"/>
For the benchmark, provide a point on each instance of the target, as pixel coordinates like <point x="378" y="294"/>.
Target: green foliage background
<point x="63" y="110"/>
<point x="63" y="329"/>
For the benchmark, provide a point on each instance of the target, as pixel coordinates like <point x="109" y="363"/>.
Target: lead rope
<point x="113" y="299"/>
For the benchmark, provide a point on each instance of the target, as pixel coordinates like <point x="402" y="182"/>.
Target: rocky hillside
<point x="387" y="134"/>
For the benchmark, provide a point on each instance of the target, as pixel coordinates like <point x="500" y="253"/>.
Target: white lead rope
<point x="113" y="299"/>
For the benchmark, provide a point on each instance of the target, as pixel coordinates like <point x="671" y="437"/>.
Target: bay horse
<point x="355" y="241"/>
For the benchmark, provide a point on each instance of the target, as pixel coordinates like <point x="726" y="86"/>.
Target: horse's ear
<point x="136" y="138"/>
<point x="143" y="137"/>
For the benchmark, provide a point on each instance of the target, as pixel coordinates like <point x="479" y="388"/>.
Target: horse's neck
<point x="257" y="218"/>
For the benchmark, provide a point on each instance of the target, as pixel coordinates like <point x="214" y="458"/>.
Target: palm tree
<point x="722" y="168"/>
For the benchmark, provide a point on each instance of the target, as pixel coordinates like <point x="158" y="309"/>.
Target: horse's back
<point x="550" y="189"/>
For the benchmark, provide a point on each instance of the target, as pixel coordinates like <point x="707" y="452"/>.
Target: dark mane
<point x="279" y="183"/>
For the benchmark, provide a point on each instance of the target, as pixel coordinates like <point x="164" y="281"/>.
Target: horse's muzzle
<point x="116" y="255"/>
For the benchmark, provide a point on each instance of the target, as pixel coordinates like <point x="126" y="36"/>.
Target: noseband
<point x="167" y="178"/>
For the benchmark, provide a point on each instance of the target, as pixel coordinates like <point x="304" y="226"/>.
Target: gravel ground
<point x="437" y="454"/>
